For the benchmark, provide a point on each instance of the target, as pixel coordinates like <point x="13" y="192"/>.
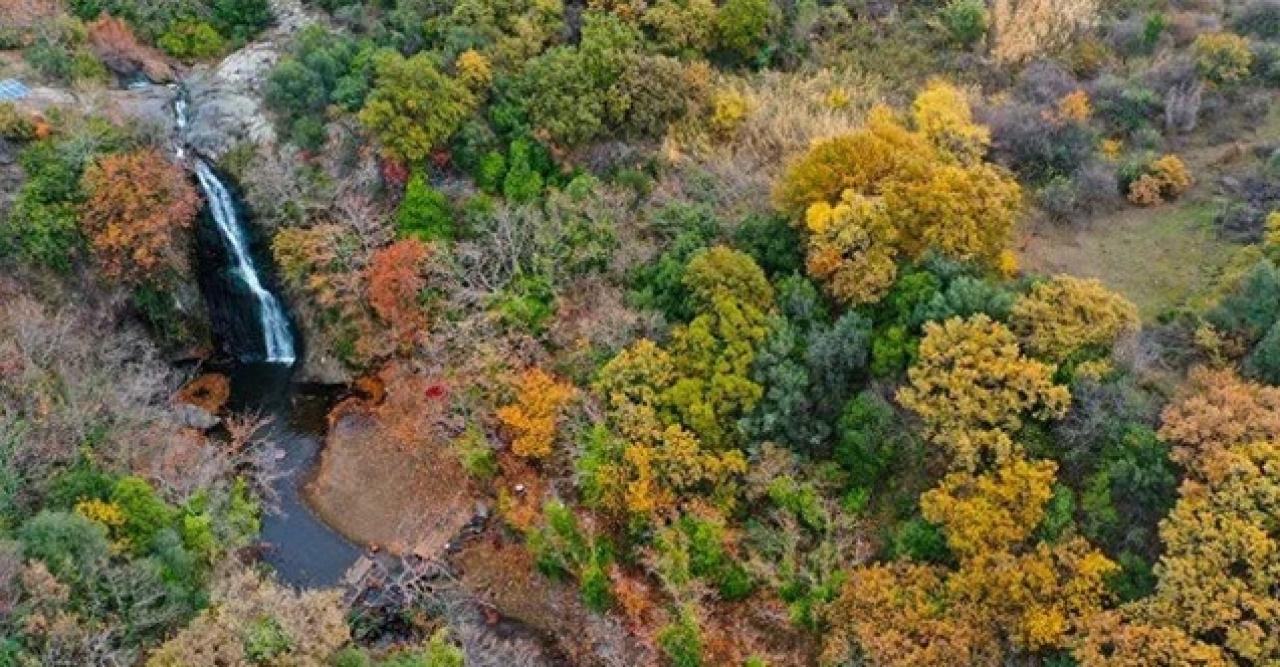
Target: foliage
<point x="681" y="641"/>
<point x="971" y="386"/>
<point x="1065" y="315"/>
<point x="561" y="549"/>
<point x="926" y="188"/>
<point x="395" y="287"/>
<point x="741" y="27"/>
<point x="406" y="127"/>
<point x="424" y="212"/>
<point x="136" y="215"/>
<point x="191" y="41"/>
<point x="1217" y="576"/>
<point x="533" y="417"/>
<point x="964" y="20"/>
<point x="1163" y="179"/>
<point x="1222" y="57"/>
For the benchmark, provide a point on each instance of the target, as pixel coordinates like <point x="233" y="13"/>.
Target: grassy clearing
<point x="1162" y="258"/>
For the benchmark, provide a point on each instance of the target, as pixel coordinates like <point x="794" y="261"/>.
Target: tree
<point x="413" y="107"/>
<point x="1218" y="410"/>
<point x="713" y="354"/>
<point x="395" y="287"/>
<point x="533" y="417"/>
<point x="929" y="180"/>
<point x="138" y="211"/>
<point x="990" y="512"/>
<point x="742" y="27"/>
<point x="424" y="212"/>
<point x="1221" y="567"/>
<point x="900" y="615"/>
<point x="1067" y="314"/>
<point x="1111" y="640"/>
<point x="942" y="114"/>
<point x="852" y="248"/>
<point x="971" y="385"/>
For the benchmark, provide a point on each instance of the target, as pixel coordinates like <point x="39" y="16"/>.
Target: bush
<point x="965" y="21"/>
<point x="424" y="212"/>
<point x="522" y="184"/>
<point x="772" y="242"/>
<point x="1264" y="361"/>
<point x="870" y="438"/>
<point x="192" y="40"/>
<point x="919" y="540"/>
<point x="1222" y="57"/>
<point x="1260" y="18"/>
<point x="742" y="28"/>
<point x="1126" y="107"/>
<point x="241" y="19"/>
<point x="1161" y="180"/>
<point x="681" y="641"/>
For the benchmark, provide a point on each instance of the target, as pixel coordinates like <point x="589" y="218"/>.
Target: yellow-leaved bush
<point x="891" y="191"/>
<point x="534" y="416"/>
<point x="1007" y="590"/>
<point x="1065" y="314"/>
<point x="971" y="386"/>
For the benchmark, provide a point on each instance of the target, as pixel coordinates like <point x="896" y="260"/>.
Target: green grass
<point x="1162" y="258"/>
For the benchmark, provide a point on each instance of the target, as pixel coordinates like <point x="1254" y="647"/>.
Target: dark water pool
<point x="304" y="550"/>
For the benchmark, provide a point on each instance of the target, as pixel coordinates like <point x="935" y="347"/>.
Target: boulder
<point x="196" y="417"/>
<point x="225" y="102"/>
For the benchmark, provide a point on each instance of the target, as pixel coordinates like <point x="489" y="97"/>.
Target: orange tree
<point x="139" y="210"/>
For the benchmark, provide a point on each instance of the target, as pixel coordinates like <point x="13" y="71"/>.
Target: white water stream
<point x="277" y="339"/>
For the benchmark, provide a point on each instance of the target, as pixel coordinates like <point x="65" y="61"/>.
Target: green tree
<point x="424" y="212"/>
<point x="413" y="106"/>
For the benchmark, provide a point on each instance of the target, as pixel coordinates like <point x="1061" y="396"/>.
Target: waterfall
<point x="277" y="339"/>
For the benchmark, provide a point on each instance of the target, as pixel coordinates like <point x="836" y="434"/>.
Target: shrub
<point x="424" y="212"/>
<point x="681" y="641"/>
<point x="965" y="21"/>
<point x="1260" y="18"/>
<point x="742" y="27"/>
<point x="522" y="184"/>
<point x="1222" y="57"/>
<point x="870" y="439"/>
<point x="15" y="124"/>
<point x="192" y="40"/>
<point x="1163" y="179"/>
<point x="729" y="110"/>
<point x="241" y="19"/>
<point x="1125" y="106"/>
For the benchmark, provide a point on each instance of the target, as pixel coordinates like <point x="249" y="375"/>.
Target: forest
<point x="683" y="333"/>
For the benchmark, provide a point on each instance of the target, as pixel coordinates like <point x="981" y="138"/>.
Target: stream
<point x="251" y="325"/>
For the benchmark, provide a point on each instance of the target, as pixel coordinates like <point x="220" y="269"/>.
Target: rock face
<point x="226" y="104"/>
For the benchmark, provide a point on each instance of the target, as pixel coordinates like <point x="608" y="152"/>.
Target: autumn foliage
<point x="395" y="279"/>
<point x="139" y="210"/>
<point x="533" y="418"/>
<point x="972" y="387"/>
<point x="892" y="191"/>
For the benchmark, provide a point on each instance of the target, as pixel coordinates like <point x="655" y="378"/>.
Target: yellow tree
<point x="1220" y="572"/>
<point x="971" y="386"/>
<point x="989" y="512"/>
<point x="901" y="615"/>
<point x="1065" y="314"/>
<point x="1112" y="640"/>
<point x="851" y="248"/>
<point x="534" y="416"/>
<point x="963" y="211"/>
<point x="1006" y="591"/>
<point x="942" y="113"/>
<point x="930" y="180"/>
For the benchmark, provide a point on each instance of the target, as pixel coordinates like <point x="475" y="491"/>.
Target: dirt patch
<point x="372" y="488"/>
<point x="502" y="574"/>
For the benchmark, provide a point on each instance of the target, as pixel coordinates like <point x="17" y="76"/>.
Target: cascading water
<point x="278" y="344"/>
